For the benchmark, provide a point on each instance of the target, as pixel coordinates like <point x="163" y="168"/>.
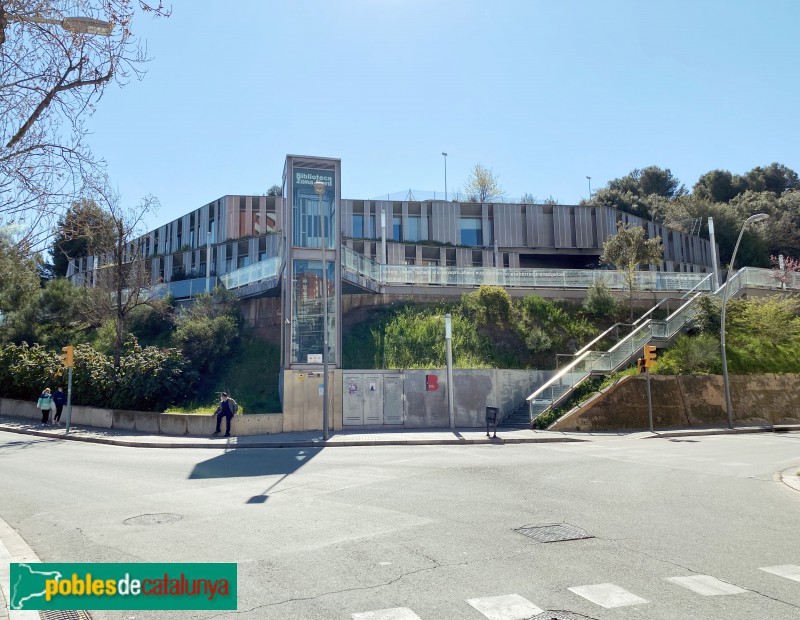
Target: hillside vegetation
<point x="490" y="330"/>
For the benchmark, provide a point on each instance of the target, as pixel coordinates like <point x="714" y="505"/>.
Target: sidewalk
<point x="307" y="439"/>
<point x="380" y="437"/>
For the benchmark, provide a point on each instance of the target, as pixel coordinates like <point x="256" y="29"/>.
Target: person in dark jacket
<point x="59" y="399"/>
<point x="43" y="404"/>
<point x="227" y="408"/>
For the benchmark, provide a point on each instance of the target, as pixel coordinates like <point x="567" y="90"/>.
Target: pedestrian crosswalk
<point x="606" y="595"/>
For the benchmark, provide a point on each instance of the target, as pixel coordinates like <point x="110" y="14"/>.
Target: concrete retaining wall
<point x="150" y="422"/>
<point x="689" y="401"/>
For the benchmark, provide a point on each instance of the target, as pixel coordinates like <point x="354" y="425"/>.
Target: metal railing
<point x="588" y="362"/>
<point x="268" y="271"/>
<point x="361" y="265"/>
<point x="404" y="275"/>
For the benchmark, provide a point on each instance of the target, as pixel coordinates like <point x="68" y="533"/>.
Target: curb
<point x="399" y="441"/>
<point x="12" y="549"/>
<point x="226" y="445"/>
<point x="769" y="428"/>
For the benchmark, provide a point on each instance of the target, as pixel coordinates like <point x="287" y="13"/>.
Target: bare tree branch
<point x="51" y="80"/>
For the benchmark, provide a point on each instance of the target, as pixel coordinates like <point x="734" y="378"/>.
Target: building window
<point x="358" y="226"/>
<point x="372" y="232"/>
<point x="412" y="229"/>
<point x="471" y="233"/>
<point x="397" y="227"/>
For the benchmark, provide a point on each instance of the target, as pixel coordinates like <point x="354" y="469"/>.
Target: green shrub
<point x="543" y="311"/>
<point x="493" y="304"/>
<point x="205" y="340"/>
<point x="599" y="301"/>
<point x="537" y="340"/>
<point x="147" y="379"/>
<point x="691" y="355"/>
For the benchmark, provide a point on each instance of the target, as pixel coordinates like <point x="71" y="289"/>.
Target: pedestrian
<point x="227" y="408"/>
<point x="60" y="399"/>
<point x="44" y="402"/>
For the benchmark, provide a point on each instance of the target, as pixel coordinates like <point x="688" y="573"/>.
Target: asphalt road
<point x="338" y="533"/>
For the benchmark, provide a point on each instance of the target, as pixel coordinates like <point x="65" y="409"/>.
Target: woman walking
<point x="45" y="399"/>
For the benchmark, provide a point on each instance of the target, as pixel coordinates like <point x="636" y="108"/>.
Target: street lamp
<point x="758" y="217"/>
<point x="590" y="187"/>
<point x="319" y="188"/>
<point x="76" y="25"/>
<point x="445" y="175"/>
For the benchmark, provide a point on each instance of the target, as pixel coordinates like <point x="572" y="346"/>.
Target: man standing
<point x="228" y="408"/>
<point x="60" y="399"/>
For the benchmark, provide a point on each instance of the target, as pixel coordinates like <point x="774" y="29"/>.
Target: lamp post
<point x="590" y="187"/>
<point x="758" y="217"/>
<point x="319" y="188"/>
<point x="77" y="25"/>
<point x="445" y="175"/>
<point x="448" y="335"/>
<point x="714" y="265"/>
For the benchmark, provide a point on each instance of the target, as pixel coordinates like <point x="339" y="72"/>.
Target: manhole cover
<point x="64" y="615"/>
<point x="559" y="615"/>
<point x="554" y="532"/>
<point x="160" y="518"/>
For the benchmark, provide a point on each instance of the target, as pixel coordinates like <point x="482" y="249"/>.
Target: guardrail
<point x="266" y="271"/>
<point x="398" y="275"/>
<point x="412" y="275"/>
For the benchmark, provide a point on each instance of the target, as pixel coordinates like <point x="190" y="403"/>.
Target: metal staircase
<point x="588" y="362"/>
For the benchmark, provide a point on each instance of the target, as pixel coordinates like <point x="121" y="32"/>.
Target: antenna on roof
<point x="410" y="197"/>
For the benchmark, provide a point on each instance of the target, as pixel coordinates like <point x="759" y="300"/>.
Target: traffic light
<point x="649" y="355"/>
<point x="67" y="355"/>
<point x="640" y="365"/>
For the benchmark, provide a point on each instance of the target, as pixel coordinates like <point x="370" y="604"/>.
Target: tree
<point x="775" y="178"/>
<point x="83" y="227"/>
<point x="719" y="186"/>
<point x="275" y="190"/>
<point x="122" y="277"/>
<point x="639" y="190"/>
<point x="51" y="78"/>
<point x="627" y="250"/>
<point x="19" y="271"/>
<point x="51" y="316"/>
<point x="208" y="330"/>
<point x="482" y="185"/>
<point x="527" y="199"/>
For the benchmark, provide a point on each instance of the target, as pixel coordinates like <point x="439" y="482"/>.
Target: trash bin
<point x="491" y="418"/>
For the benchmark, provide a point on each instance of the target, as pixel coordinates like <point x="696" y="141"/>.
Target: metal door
<point x="393" y="399"/>
<point x="352" y="400"/>
<point x="373" y="399"/>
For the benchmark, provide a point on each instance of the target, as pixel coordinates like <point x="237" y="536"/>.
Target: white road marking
<point x="395" y="613"/>
<point x="506" y="607"/>
<point x="607" y="595"/>
<point x="790" y="571"/>
<point x="706" y="585"/>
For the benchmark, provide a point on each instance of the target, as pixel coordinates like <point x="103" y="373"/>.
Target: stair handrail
<point x="697" y="286"/>
<point x="588" y="346"/>
<point x="556" y="377"/>
<point x="737" y="281"/>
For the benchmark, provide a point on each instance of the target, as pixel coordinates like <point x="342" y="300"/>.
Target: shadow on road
<point x="249" y="463"/>
<point x="27" y="443"/>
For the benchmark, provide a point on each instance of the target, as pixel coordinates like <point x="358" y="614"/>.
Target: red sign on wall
<point x="431" y="383"/>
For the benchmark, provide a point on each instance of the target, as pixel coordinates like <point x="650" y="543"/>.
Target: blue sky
<point x="545" y="93"/>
